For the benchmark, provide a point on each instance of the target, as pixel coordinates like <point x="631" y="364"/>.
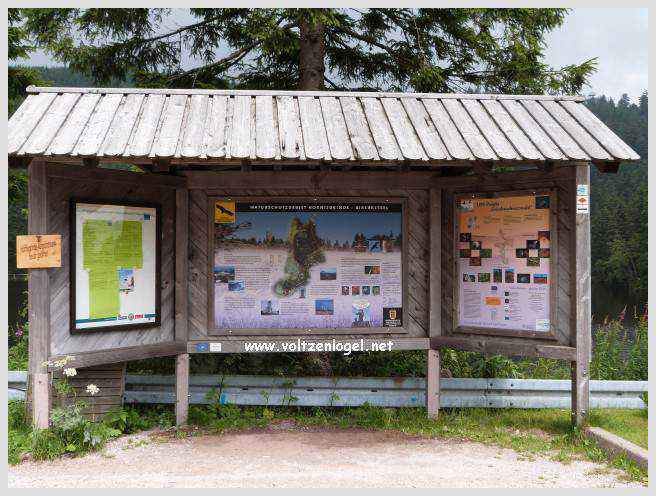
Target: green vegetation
<point x="73" y="435"/>
<point x="442" y="50"/>
<point x="619" y="204"/>
<point x="531" y="433"/>
<point x="19" y="430"/>
<point x="629" y="424"/>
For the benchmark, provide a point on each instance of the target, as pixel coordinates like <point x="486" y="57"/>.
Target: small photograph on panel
<point x="544" y="237"/>
<point x="541" y="202"/>
<point x="269" y="307"/>
<point x="324" y="307"/>
<point x="533" y="261"/>
<point x="510" y="276"/>
<point x="486" y="252"/>
<point x="236" y="286"/>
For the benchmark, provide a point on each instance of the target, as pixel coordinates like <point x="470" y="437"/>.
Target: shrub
<point x="638" y="357"/>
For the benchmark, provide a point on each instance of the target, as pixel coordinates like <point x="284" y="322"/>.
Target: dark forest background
<point x="618" y="203"/>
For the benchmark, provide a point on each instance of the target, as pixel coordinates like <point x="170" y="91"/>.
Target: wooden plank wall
<point x="110" y="380"/>
<point x="564" y="332"/>
<point x="418" y="250"/>
<point x="60" y="191"/>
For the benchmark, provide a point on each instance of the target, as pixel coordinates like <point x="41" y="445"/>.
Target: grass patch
<point x="18" y="438"/>
<point x="629" y="424"/>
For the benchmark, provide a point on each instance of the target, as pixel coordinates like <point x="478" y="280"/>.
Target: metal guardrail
<point x="354" y="391"/>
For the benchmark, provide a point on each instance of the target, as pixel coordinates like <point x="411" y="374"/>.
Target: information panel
<point x="115" y="266"/>
<point x="504" y="255"/>
<point x="305" y="265"/>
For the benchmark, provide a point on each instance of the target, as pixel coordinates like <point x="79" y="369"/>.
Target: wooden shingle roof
<point x="198" y="125"/>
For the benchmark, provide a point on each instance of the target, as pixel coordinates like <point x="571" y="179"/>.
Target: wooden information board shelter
<point x="456" y="177"/>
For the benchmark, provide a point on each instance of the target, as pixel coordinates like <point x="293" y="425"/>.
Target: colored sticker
<point x="542" y="325"/>
<point x="225" y="212"/>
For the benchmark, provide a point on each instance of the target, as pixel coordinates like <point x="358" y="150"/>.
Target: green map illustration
<point x="304" y="252"/>
<point x="109" y="246"/>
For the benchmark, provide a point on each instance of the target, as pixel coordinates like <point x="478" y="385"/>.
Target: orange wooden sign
<point x="38" y="251"/>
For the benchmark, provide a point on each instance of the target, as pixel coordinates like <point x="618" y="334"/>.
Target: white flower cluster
<point x="70" y="372"/>
<point x="58" y="364"/>
<point x="92" y="389"/>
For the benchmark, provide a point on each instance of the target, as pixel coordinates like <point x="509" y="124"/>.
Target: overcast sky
<point x="617" y="37"/>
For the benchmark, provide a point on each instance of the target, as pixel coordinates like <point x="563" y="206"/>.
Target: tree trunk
<point x="313" y="52"/>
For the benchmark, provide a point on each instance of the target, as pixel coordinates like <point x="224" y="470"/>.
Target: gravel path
<point x="291" y="457"/>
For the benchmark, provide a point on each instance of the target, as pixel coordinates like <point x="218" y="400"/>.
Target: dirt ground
<point x="291" y="457"/>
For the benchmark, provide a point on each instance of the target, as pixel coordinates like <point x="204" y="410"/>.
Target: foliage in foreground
<point x="72" y="434"/>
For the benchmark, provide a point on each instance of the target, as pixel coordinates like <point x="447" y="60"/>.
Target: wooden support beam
<point x="435" y="301"/>
<point x="93" y="174"/>
<point x="293" y="180"/>
<point x="115" y="355"/>
<point x="366" y="180"/>
<point x="433" y="383"/>
<point x="581" y="301"/>
<point x="231" y="345"/>
<point x="181" y="263"/>
<point x="608" y="167"/>
<point x="181" y="389"/>
<point x="435" y="280"/>
<point x="161" y="165"/>
<point x="38" y="298"/>
<point x="19" y="162"/>
<point x="90" y="162"/>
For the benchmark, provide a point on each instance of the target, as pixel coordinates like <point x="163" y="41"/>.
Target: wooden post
<point x="38" y="299"/>
<point x="435" y="304"/>
<point x="181" y="389"/>
<point x="181" y="263"/>
<point x="582" y="301"/>
<point x="433" y="384"/>
<point x="181" y="304"/>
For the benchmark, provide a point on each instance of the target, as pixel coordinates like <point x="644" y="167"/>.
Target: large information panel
<point x="115" y="257"/>
<point x="308" y="264"/>
<point x="504" y="254"/>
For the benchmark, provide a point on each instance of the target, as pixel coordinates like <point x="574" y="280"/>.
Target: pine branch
<point x="180" y="30"/>
<point x="229" y="60"/>
<point x="371" y="41"/>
